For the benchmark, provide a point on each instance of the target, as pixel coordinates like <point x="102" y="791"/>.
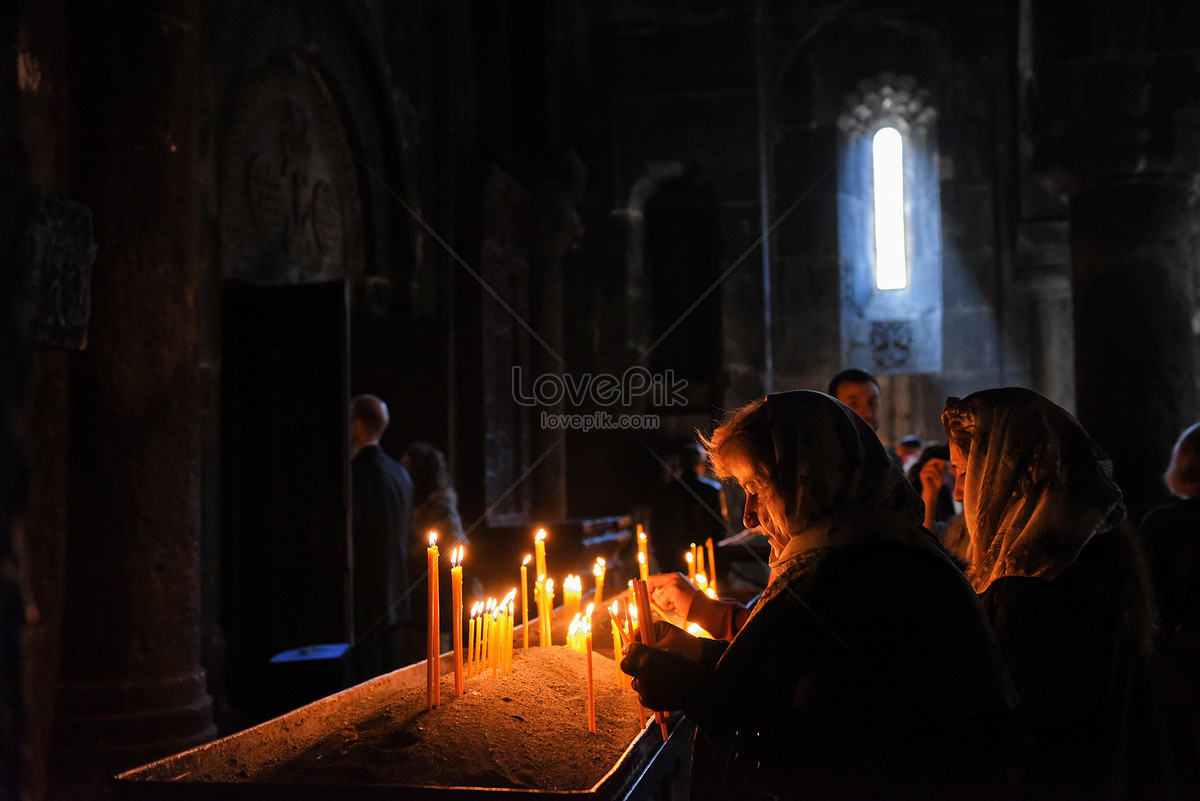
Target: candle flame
<point x="456" y="557"/>
<point x="641" y="558"/>
<point x="689" y="557"/>
<point x="541" y="535"/>
<point x="598" y="568"/>
<point x="491" y="604"/>
<point x="528" y="556"/>
<point x="588" y="613"/>
<point x="432" y="538"/>
<point x="615" y="608"/>
<point x="508" y="599"/>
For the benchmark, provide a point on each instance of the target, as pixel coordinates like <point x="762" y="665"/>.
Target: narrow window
<point x="891" y="270"/>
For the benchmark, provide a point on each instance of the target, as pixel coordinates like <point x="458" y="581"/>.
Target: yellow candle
<point x="643" y="552"/>
<point x="549" y="612"/>
<point x="690" y="558"/>
<point x="508" y="634"/>
<point x="525" y="602"/>
<point x="712" y="566"/>
<point x="572" y="595"/>
<point x="598" y="572"/>
<point x="591" y="687"/>
<point x="432" y="675"/>
<point x="471" y="642"/>
<point x="539" y="548"/>
<point x="456" y="557"/>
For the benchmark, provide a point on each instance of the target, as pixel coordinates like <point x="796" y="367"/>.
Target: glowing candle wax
<point x="525" y="602"/>
<point x="572" y="595"/>
<point x="643" y="553"/>
<point x="471" y="641"/>
<point x="690" y="558"/>
<point x="598" y="572"/>
<point x="432" y="674"/>
<point x="456" y="557"/>
<point x="712" y="566"/>
<point x="549" y="624"/>
<point x="539" y="549"/>
<point x="591" y="686"/>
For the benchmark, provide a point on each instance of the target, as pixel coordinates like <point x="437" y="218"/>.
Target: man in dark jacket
<point x="381" y="495"/>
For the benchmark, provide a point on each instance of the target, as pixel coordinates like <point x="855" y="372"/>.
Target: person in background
<point x="381" y="508"/>
<point x="934" y="479"/>
<point x="909" y="450"/>
<point x="435" y="508"/>
<point x="1171" y="538"/>
<point x="867" y="669"/>
<point x="1064" y="584"/>
<point x="859" y="390"/>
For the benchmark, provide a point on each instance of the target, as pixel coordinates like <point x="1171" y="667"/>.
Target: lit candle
<point x="525" y="602"/>
<point x="549" y="624"/>
<point x="494" y="645"/>
<point x="456" y="557"/>
<point x="591" y="687"/>
<point x="712" y="567"/>
<point x="598" y="572"/>
<point x="432" y="674"/>
<point x="539" y="548"/>
<point x="489" y="624"/>
<point x="572" y="595"/>
<point x="629" y="613"/>
<point x="646" y="626"/>
<point x="508" y="636"/>
<point x="540" y="592"/>
<point x="471" y="641"/>
<point x="690" y="558"/>
<point x="643" y="553"/>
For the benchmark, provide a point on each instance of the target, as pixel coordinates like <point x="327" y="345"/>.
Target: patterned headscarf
<point x="839" y="484"/>
<point x="1037" y="487"/>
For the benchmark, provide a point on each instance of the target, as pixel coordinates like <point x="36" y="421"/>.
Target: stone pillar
<point x="132" y="687"/>
<point x="1111" y="136"/>
<point x="1135" y="355"/>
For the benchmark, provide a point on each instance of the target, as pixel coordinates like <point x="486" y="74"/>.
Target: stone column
<point x="1112" y="138"/>
<point x="132" y="687"/>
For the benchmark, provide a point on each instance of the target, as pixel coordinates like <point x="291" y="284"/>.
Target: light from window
<point x="891" y="271"/>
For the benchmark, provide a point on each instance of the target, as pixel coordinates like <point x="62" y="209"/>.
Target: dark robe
<point x="381" y="492"/>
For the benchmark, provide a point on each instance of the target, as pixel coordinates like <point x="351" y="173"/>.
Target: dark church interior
<point x="223" y="220"/>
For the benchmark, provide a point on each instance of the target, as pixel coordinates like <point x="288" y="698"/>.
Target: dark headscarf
<point x="837" y="481"/>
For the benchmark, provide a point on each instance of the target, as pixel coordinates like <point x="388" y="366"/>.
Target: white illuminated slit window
<point x="891" y="269"/>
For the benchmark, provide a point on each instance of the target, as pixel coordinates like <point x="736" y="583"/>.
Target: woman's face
<point x="958" y="462"/>
<point x="763" y="508"/>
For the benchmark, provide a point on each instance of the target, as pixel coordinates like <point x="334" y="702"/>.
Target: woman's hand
<point x="665" y="680"/>
<point x="672" y="592"/>
<point x="673" y="638"/>
<point x="933" y="476"/>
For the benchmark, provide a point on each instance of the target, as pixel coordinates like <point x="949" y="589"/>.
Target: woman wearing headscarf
<point x="1064" y="586"/>
<point x="866" y="671"/>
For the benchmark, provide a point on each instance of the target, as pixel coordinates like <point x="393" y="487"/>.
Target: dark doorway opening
<point x="284" y="480"/>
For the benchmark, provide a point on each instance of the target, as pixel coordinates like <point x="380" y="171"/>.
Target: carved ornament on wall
<point x="289" y="200"/>
<point x="883" y="97"/>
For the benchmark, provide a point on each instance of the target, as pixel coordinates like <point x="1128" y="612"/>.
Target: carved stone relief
<point x="290" y="208"/>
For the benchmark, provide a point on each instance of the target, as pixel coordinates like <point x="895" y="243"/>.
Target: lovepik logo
<point x="600" y="389"/>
